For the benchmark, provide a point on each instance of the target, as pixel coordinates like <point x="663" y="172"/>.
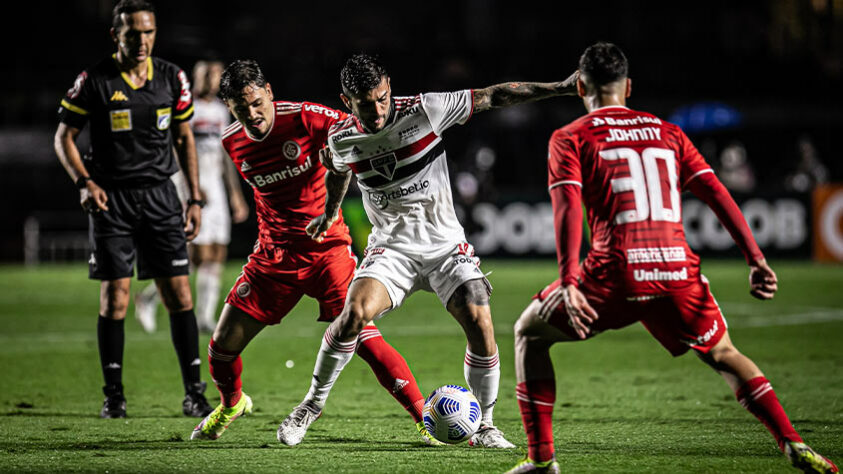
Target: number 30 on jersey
<point x="645" y="184"/>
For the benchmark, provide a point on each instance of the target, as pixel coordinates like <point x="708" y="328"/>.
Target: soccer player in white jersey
<point x="394" y="147"/>
<point x="221" y="194"/>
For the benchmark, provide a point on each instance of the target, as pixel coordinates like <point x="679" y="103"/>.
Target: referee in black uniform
<point x="138" y="108"/>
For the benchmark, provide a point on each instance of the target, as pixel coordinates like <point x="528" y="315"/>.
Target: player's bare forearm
<point x="336" y="185"/>
<point x="513" y="93"/>
<point x="186" y="150"/>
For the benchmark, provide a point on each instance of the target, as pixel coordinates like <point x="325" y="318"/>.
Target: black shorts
<point x="146" y="223"/>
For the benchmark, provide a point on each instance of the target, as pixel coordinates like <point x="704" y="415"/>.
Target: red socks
<point x="391" y="370"/>
<point x="225" y="371"/>
<point x="535" y="401"/>
<point x="758" y="397"/>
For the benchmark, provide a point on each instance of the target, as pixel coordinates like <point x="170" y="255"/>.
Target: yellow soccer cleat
<point x="213" y="426"/>
<point x="527" y="465"/>
<point x="802" y="457"/>
<point x="426" y="436"/>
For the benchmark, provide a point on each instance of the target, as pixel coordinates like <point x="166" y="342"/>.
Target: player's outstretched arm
<point x="513" y="93"/>
<point x="762" y="280"/>
<point x="336" y="185"/>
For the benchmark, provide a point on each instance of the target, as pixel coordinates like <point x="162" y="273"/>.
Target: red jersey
<point x="284" y="171"/>
<point x="631" y="167"/>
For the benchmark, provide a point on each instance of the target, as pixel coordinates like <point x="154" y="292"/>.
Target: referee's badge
<point x="163" y="122"/>
<point x="121" y="120"/>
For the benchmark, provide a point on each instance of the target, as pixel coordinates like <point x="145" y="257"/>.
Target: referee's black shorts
<point x="146" y="223"/>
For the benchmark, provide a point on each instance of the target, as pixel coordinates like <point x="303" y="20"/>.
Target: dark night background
<point x="774" y="67"/>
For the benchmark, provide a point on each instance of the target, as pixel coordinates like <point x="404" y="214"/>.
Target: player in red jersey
<point x="274" y="145"/>
<point x="628" y="168"/>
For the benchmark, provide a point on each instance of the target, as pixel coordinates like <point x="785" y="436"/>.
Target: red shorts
<point x="686" y="319"/>
<point x="275" y="278"/>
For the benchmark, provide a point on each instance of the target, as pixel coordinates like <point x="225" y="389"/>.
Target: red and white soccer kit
<point x="629" y="169"/>
<point x="288" y="180"/>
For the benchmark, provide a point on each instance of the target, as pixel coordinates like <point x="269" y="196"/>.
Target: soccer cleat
<point x="292" y="430"/>
<point x="195" y="404"/>
<point x="488" y="436"/>
<point x="528" y="465"/>
<point x="213" y="426"/>
<point x="146" y="305"/>
<point x="114" y="406"/>
<point x="426" y="436"/>
<point x="802" y="457"/>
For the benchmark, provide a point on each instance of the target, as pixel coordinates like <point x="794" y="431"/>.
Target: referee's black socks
<point x="110" y="340"/>
<point x="185" y="335"/>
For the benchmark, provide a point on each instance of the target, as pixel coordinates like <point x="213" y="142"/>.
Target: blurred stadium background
<point x="755" y="84"/>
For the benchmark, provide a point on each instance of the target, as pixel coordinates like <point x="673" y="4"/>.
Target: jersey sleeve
<point x="691" y="161"/>
<point x="183" y="105"/>
<point x="563" y="163"/>
<point x="446" y="109"/>
<point x="76" y="105"/>
<point x="318" y="120"/>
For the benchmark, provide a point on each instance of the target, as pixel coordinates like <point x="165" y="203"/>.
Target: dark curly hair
<point x="238" y="75"/>
<point x="128" y="7"/>
<point x="603" y="63"/>
<point x="361" y="74"/>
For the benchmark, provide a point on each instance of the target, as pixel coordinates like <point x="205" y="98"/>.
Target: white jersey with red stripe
<point x="402" y="173"/>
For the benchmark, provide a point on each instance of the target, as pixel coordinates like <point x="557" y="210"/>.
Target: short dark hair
<point x="603" y="63"/>
<point x="238" y="75"/>
<point x="361" y="74"/>
<point x="128" y="7"/>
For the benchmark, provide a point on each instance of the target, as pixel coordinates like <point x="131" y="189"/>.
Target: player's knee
<point x="354" y="319"/>
<point x="114" y="301"/>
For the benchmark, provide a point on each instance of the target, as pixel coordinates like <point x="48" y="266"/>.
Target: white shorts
<point x="403" y="275"/>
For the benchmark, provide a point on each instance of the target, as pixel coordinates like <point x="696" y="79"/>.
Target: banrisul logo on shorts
<point x="381" y="198"/>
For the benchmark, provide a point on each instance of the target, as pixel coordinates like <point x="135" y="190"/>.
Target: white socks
<point x="483" y="375"/>
<point x="332" y="358"/>
<point x="208" y="293"/>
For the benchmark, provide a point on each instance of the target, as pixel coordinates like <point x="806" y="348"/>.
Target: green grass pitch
<point x="623" y="404"/>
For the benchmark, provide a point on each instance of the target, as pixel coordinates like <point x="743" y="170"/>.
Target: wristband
<point x="82" y="182"/>
<point x="198" y="202"/>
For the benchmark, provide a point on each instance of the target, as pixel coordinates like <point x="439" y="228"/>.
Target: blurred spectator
<point x="735" y="170"/>
<point x="810" y="170"/>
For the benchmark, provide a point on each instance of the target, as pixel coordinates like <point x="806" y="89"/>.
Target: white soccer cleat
<point x="146" y="305"/>
<point x="488" y="436"/>
<point x="292" y="430"/>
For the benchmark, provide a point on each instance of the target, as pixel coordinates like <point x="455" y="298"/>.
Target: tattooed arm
<point x="513" y="93"/>
<point x="336" y="185"/>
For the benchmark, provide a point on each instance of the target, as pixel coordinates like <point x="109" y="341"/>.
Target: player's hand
<point x="93" y="198"/>
<point x="239" y="211"/>
<point x="317" y="229"/>
<point x="763" y="283"/>
<point x="327" y="158"/>
<point x="580" y="314"/>
<point x="569" y="85"/>
<point x="192" y="221"/>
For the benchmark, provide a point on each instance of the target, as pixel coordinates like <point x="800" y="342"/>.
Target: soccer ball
<point x="451" y="414"/>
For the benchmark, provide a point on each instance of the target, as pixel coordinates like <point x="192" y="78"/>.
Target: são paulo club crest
<point x="385" y="165"/>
